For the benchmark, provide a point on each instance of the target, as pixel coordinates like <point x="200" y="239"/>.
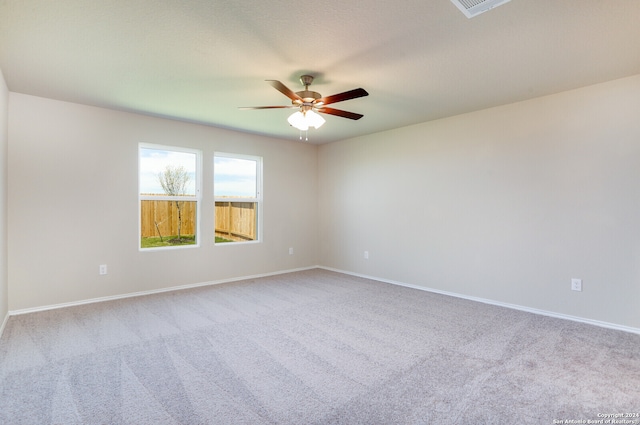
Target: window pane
<point x="237" y="192"/>
<point x="169" y="194"/>
<point x="236" y="221"/>
<point x="167" y="223"/>
<point x="164" y="172"/>
<point x="235" y="177"/>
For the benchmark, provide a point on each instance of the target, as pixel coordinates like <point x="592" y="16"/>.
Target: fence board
<point x="165" y="215"/>
<point x="236" y="219"/>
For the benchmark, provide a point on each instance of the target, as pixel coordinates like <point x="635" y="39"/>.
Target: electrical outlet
<point x="366" y="255"/>
<point x="576" y="284"/>
<point x="103" y="269"/>
<point x="290" y="251"/>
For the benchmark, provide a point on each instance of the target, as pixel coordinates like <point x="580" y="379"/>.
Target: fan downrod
<point x="308" y="96"/>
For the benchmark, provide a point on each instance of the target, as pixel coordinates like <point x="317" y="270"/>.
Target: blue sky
<point x="232" y="176"/>
<point x="154" y="161"/>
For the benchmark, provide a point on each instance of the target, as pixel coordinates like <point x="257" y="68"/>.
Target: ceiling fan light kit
<point x="309" y="103"/>
<point x="303" y="120"/>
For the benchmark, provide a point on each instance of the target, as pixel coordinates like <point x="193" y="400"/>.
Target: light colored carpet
<point x="312" y="347"/>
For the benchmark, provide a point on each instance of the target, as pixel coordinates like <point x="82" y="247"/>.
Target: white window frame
<point x="197" y="197"/>
<point x="258" y="200"/>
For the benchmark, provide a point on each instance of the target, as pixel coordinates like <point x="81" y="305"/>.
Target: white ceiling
<point x="199" y="60"/>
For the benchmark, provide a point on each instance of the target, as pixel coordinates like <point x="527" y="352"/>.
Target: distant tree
<point x="174" y="182"/>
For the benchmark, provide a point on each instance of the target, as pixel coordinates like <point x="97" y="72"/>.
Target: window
<point x="237" y="187"/>
<point x="169" y="194"/>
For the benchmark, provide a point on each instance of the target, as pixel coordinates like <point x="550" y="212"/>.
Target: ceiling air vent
<point x="471" y="8"/>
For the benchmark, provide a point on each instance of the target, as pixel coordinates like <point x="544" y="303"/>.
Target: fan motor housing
<point x="308" y="95"/>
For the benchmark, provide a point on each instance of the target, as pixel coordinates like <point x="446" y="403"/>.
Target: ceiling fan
<point x="309" y="102"/>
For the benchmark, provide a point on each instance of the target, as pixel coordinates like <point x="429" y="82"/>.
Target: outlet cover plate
<point x="576" y="284"/>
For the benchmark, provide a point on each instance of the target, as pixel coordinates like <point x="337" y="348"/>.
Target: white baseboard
<point x="150" y="292"/>
<point x="4" y="323"/>
<point x="393" y="282"/>
<point x="497" y="303"/>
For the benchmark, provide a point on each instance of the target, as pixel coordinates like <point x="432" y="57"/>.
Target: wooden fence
<point x="234" y="220"/>
<point x="161" y="218"/>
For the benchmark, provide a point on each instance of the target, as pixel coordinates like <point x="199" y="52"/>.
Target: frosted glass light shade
<point x="314" y="120"/>
<point x="303" y="120"/>
<point x="298" y="120"/>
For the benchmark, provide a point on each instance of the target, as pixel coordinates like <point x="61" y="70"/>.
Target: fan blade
<point x="268" y="107"/>
<point x="340" y="113"/>
<point x="340" y="97"/>
<point x="284" y="90"/>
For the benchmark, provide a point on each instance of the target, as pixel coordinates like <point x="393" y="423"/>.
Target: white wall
<point x="506" y="204"/>
<point x="73" y="204"/>
<point x="4" y="285"/>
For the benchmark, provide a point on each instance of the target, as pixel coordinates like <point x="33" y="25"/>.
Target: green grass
<point x="155" y="242"/>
